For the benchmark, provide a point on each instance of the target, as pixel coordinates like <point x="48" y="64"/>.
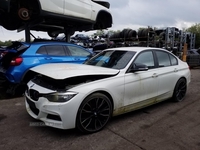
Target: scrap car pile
<point x="68" y="86"/>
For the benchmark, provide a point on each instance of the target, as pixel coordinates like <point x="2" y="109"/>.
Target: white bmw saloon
<point x="114" y="82"/>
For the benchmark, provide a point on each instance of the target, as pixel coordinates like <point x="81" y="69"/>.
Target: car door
<point x="53" y="6"/>
<point x="167" y="73"/>
<point x="140" y="86"/>
<point x="77" y="54"/>
<point x="53" y="54"/>
<point x="78" y="8"/>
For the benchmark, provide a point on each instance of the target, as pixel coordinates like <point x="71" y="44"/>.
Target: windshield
<point x="111" y="59"/>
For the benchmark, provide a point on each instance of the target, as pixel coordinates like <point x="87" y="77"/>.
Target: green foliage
<point x="6" y="43"/>
<point x="141" y="29"/>
<point x="99" y="32"/>
<point x="196" y="30"/>
<point x="103" y="32"/>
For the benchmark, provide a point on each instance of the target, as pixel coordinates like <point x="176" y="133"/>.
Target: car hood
<point x="64" y="70"/>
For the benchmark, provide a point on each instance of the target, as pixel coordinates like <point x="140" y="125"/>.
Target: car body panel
<point x="83" y="9"/>
<point x="54" y="6"/>
<point x="58" y="70"/>
<point x="140" y="86"/>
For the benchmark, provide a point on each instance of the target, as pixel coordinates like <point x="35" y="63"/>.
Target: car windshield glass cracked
<point x="112" y="59"/>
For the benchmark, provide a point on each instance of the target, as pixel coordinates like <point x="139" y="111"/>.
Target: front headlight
<point x="60" y="97"/>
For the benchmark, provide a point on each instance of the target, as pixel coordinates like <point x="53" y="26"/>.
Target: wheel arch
<point x="77" y="120"/>
<point x="108" y="95"/>
<point x="105" y="93"/>
<point x="108" y="15"/>
<point x="36" y="2"/>
<point x="33" y="3"/>
<point x="180" y="79"/>
<point x="179" y="95"/>
<point x="28" y="75"/>
<point x="105" y="16"/>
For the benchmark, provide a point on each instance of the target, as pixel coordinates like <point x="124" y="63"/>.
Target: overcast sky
<point x="140" y="13"/>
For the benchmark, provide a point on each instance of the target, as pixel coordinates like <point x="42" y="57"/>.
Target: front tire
<point x="180" y="90"/>
<point x="94" y="113"/>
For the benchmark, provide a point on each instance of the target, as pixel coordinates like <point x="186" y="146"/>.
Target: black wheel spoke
<point x="97" y="103"/>
<point x="97" y="121"/>
<point x="104" y="115"/>
<point x="89" y="122"/>
<point x="89" y="105"/>
<point x="101" y="104"/>
<point x="86" y="119"/>
<point x="94" y="113"/>
<point x="87" y="111"/>
<point x="181" y="91"/>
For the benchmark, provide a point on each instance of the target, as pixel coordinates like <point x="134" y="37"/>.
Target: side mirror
<point x="138" y="67"/>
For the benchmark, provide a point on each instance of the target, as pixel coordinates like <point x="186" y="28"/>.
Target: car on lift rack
<point x="54" y="16"/>
<point x="17" y="59"/>
<point x="113" y="82"/>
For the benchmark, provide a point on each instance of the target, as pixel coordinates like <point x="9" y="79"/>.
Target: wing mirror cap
<point x="138" y="67"/>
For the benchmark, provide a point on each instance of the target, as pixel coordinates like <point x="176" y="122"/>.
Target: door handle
<point x="48" y="58"/>
<point x="154" y="75"/>
<point x="175" y="70"/>
<point x="76" y="58"/>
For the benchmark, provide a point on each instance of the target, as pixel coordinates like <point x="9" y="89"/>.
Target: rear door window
<point x="55" y="50"/>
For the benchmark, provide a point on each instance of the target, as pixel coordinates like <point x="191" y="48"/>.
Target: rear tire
<point x="94" y="113"/>
<point x="180" y="90"/>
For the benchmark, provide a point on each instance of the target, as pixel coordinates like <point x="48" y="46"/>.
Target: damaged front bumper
<point x="54" y="114"/>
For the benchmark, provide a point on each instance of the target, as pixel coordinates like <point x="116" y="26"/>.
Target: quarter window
<point x="76" y="51"/>
<point x="42" y="50"/>
<point x="146" y="58"/>
<point x="174" y="60"/>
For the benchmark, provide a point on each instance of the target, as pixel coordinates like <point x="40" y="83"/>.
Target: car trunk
<point x="10" y="56"/>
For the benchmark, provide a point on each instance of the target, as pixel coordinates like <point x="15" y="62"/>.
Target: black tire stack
<point x="124" y="35"/>
<point x="144" y="34"/>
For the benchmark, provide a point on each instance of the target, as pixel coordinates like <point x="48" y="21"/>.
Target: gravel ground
<point x="164" y="126"/>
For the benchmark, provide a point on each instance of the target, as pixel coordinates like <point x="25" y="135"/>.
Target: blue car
<point x="17" y="59"/>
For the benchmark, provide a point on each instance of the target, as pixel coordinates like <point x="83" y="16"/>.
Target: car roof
<point x="51" y="42"/>
<point x="135" y="49"/>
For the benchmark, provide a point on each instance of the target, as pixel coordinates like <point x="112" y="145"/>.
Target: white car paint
<point x="55" y="6"/>
<point x="63" y="70"/>
<point x="85" y="9"/>
<point x="56" y="16"/>
<point x="129" y="91"/>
